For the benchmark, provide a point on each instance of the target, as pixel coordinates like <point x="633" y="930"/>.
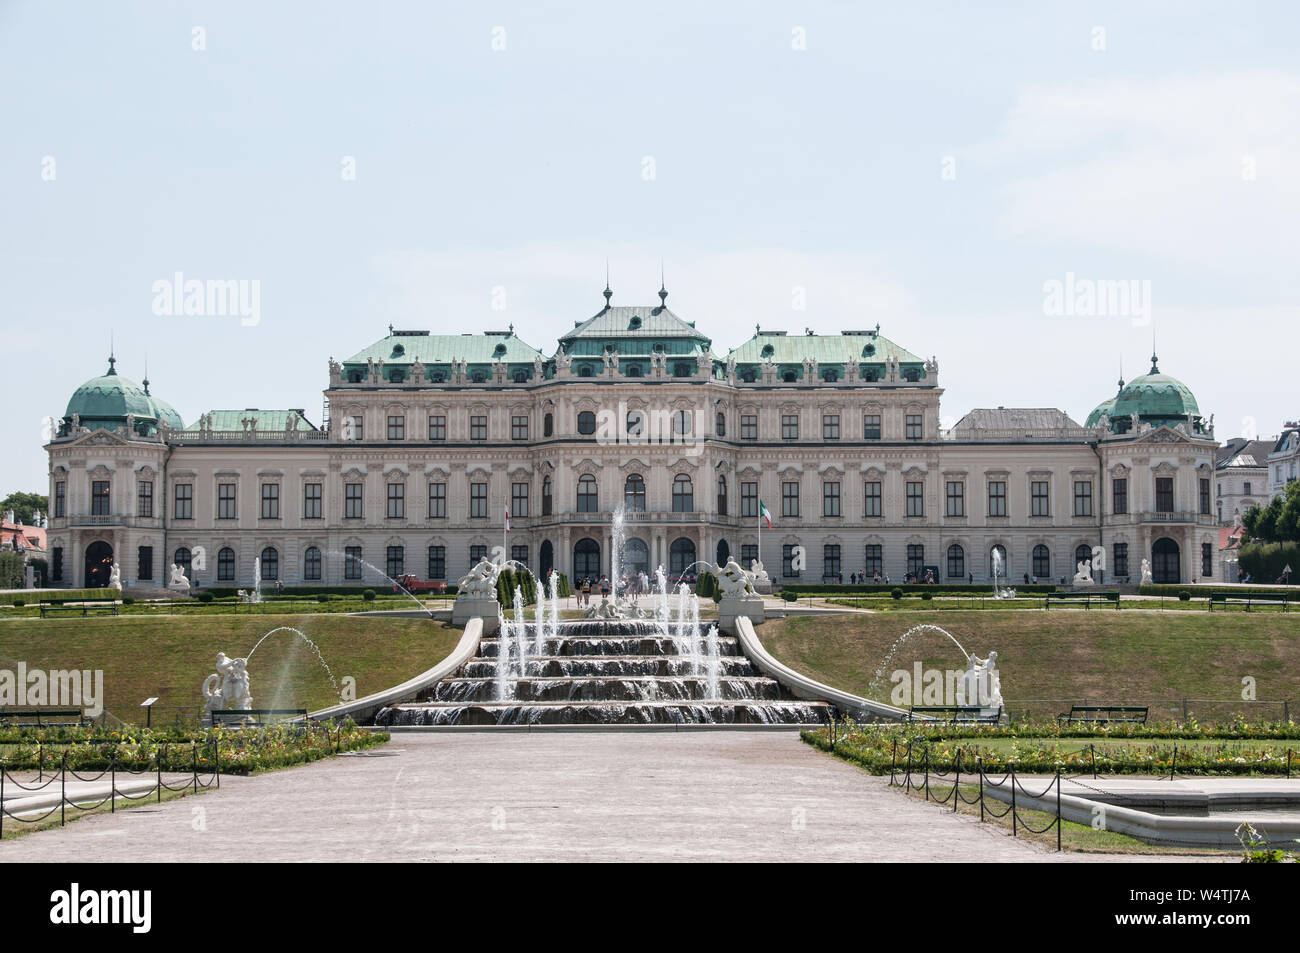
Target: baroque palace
<point x="428" y="439"/>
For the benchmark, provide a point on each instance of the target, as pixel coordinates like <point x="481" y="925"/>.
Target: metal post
<point x="112" y="789"/>
<point x="194" y="760"/>
<point x="956" y="783"/>
<point x="979" y="764"/>
<point x="927" y="772"/>
<point x="908" y="784"/>
<point x="63" y="792"/>
<point x="1013" y="800"/>
<point x="1058" y="807"/>
<point x="160" y="779"/>
<point x="893" y="761"/>
<point x="1173" y="765"/>
<point x="2" y="801"/>
<point x="1092" y="748"/>
<point x="40" y="761"/>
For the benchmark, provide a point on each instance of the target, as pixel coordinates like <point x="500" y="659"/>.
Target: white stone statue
<point x="177" y="578"/>
<point x="1146" y="572"/>
<point x="981" y="684"/>
<point x="480" y="582"/>
<point x="757" y="574"/>
<point x="228" y="686"/>
<point x="734" y="582"/>
<point x="605" y="610"/>
<point x="1083" y="573"/>
<point x="115" y="577"/>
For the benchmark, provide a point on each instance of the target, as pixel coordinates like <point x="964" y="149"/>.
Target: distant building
<point x="1284" y="460"/>
<point x="1240" y="478"/>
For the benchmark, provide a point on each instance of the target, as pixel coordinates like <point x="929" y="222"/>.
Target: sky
<point x="940" y="169"/>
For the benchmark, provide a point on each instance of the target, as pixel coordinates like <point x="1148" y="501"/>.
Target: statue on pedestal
<point x="480" y="582"/>
<point x="177" y="579"/>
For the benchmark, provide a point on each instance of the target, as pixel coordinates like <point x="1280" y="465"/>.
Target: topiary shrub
<point x="896" y="593"/>
<point x="368" y="595"/>
<point x="204" y="597"/>
<point x="128" y="600"/>
<point x="19" y="603"/>
<point x="789" y="596"/>
<point x="927" y="596"/>
<point x="324" y="597"/>
<point x="1184" y="595"/>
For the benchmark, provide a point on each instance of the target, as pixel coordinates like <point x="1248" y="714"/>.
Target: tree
<point x="25" y="506"/>
<point x="1279" y="521"/>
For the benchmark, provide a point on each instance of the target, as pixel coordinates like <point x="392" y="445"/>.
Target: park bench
<point x="1104" y="715"/>
<point x="1087" y="598"/>
<point x="1246" y="598"/>
<point x="954" y="714"/>
<point x="41" y="717"/>
<point x="85" y="608"/>
<point x="256" y="716"/>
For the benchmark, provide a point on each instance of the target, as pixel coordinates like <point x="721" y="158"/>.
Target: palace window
<point x="790" y="567"/>
<point x="1038" y="498"/>
<point x="478" y="427"/>
<point x="270" y="501"/>
<point x="311" y="564"/>
<point x="720" y="424"/>
<point x="438" y="427"/>
<point x="748" y="499"/>
<point x="830" y="499"/>
<point x="871" y="498"/>
<point x="956" y="561"/>
<point x="518" y="427"/>
<point x="830" y="426"/>
<point x="588" y="499"/>
<point x="997" y="498"/>
<point x="270" y="564"/>
<point x="396" y="502"/>
<point x="478" y="503"/>
<point x="312" y="508"/>
<point x="144" y="563"/>
<point x="396" y="428"/>
<point x="722" y="496"/>
<point x="519" y="554"/>
<point x="519" y="500"/>
<point x="1205" y="498"/>
<point x="789" y="426"/>
<point x="916" y="498"/>
<point x="1207" y="559"/>
<point x="1164" y="494"/>
<point x="60" y="499"/>
<point x="748" y="426"/>
<point x="548" y="425"/>
<point x="748" y="553"/>
<point x="683" y="494"/>
<point x="789" y="499"/>
<point x="586" y="423"/>
<point x="437" y="501"/>
<point x="956" y="498"/>
<point x="634" y="493"/>
<point x="914" y="426"/>
<point x="226" y="501"/>
<point x="395" y="561"/>
<point x="144" y="499"/>
<point x="1119" y="491"/>
<point x="352" y="508"/>
<point x="352" y="562"/>
<point x="875" y="560"/>
<point x="476" y="553"/>
<point x="546" y="496"/>
<point x="683" y="423"/>
<point x="1042" y="558"/>
<point x="437" y="562"/>
<point x="99" y="498"/>
<point x="226" y="565"/>
<point x="1120" y="558"/>
<point x="915" y="559"/>
<point x="1082" y="497"/>
<point x="871" y="426"/>
<point x="830" y="560"/>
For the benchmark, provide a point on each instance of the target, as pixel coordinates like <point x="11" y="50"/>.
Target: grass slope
<point x="1060" y="654"/>
<point x="170" y="657"/>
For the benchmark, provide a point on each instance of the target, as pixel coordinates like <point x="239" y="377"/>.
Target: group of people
<point x="630" y="585"/>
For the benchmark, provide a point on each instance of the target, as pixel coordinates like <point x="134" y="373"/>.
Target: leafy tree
<point x="25" y="506"/>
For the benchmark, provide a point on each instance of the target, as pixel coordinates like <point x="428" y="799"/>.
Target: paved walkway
<point x="759" y="796"/>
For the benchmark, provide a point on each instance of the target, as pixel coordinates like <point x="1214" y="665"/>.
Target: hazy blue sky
<point x="1170" y="156"/>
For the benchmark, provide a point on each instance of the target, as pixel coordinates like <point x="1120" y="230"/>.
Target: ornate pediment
<point x="1164" y="435"/>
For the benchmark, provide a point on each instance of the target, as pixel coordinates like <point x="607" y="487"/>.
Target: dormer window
<point x="396" y="375"/>
<point x="768" y="350"/>
<point x="521" y="377"/>
<point x="869" y="350"/>
<point x="830" y="375"/>
<point x="633" y="370"/>
<point x="354" y="377"/>
<point x="789" y="377"/>
<point x="584" y="370"/>
<point x="399" y="350"/>
<point x="478" y="377"/>
<point x="635" y="323"/>
<point x="437" y="377"/>
<point x="748" y="376"/>
<point x="912" y="375"/>
<point x="499" y="351"/>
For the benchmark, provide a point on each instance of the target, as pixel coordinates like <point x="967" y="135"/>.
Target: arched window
<point x="1083" y="554"/>
<point x="354" y="377"/>
<point x="748" y="376"/>
<point x="633" y="370"/>
<point x="870" y="374"/>
<point x="521" y="377"/>
<point x="722" y="497"/>
<point x="478" y="377"/>
<point x="789" y="377"/>
<point x="584" y="370"/>
<point x="634" y="494"/>
<point x="185" y="560"/>
<point x="548" y="425"/>
<point x="270" y="564"/>
<point x="311" y="564"/>
<point x="546" y="495"/>
<point x="586" y="559"/>
<point x="956" y="561"/>
<point x="680" y="555"/>
<point x="720" y="424"/>
<point x="226" y="565"/>
<point x="396" y="375"/>
<point x="912" y="375"/>
<point x="683" y="494"/>
<point x="587" y="494"/>
<point x="1042" y="562"/>
<point x="831" y="375"/>
<point x="681" y="370"/>
<point x="683" y="423"/>
<point x="636" y="556"/>
<point x="586" y="423"/>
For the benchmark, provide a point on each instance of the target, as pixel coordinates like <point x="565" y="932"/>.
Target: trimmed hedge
<point x="1203" y="590"/>
<point x="809" y="589"/>
<point x="62" y="595"/>
<point x="1265" y="561"/>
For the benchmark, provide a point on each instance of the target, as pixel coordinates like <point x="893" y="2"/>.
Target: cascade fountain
<point x="999" y="592"/>
<point x="979" y="685"/>
<point x="228" y="687"/>
<point x="663" y="667"/>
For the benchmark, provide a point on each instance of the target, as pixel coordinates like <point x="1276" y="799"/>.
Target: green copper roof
<point x="635" y="331"/>
<point x="405" y="347"/>
<point x="866" y="347"/>
<point x="1156" y="396"/>
<point x="105" y="402"/>
<point x="267" y="420"/>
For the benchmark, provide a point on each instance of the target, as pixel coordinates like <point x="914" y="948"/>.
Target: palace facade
<point x="428" y="439"/>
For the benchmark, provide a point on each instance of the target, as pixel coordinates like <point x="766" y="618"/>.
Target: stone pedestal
<point x="730" y="609"/>
<point x="467" y="607"/>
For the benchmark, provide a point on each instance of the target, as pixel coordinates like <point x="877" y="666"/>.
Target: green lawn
<point x="169" y="657"/>
<point x="1100" y="655"/>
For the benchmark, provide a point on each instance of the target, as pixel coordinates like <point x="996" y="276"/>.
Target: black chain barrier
<point x="195" y="780"/>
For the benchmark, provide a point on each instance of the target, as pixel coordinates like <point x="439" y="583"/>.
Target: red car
<point x="413" y="584"/>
